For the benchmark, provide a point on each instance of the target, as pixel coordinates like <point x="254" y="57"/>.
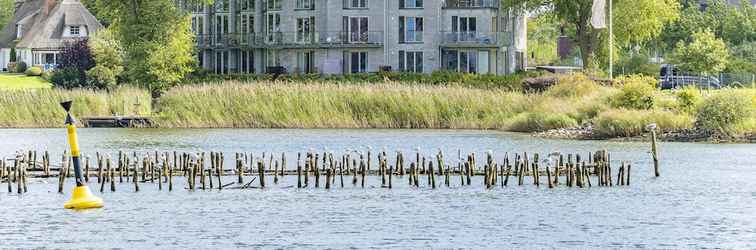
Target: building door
<point x="355" y="62"/>
<point x="247" y="62"/>
<point x="306" y="62"/>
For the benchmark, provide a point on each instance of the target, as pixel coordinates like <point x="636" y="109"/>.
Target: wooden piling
<point x="654" y="153"/>
<point x="260" y="172"/>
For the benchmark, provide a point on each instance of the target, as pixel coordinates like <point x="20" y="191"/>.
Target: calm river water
<point x="706" y="198"/>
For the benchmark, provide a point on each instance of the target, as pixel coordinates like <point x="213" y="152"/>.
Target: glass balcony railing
<point x="471" y="4"/>
<point x="474" y="38"/>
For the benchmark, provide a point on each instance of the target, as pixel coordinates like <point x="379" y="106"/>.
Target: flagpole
<point x="611" y="44"/>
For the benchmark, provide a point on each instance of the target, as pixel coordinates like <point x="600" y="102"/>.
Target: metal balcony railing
<point x="474" y="38"/>
<point x="471" y="3"/>
<point x="292" y="39"/>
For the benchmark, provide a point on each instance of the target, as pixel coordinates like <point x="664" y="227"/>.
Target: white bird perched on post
<point x="651" y="126"/>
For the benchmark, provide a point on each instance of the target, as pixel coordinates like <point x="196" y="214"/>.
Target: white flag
<point x="598" y="18"/>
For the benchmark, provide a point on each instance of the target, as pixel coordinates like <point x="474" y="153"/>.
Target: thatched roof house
<point x="40" y="28"/>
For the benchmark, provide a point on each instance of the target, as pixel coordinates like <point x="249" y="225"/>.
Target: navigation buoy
<point x="81" y="198"/>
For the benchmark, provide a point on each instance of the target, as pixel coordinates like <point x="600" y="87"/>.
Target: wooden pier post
<point x="654" y="152"/>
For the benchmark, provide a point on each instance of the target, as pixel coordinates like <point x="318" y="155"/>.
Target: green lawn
<point x="21" y="81"/>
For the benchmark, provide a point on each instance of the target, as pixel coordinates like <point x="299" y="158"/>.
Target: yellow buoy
<point x="81" y="198"/>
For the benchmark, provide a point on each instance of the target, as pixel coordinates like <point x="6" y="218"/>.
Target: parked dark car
<point x="672" y="78"/>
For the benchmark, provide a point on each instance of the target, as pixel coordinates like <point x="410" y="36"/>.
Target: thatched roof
<point x="44" y="28"/>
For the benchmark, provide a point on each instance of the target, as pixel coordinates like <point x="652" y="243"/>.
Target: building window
<point x="221" y="62"/>
<point x="246" y="5"/>
<point x="221" y="5"/>
<point x="466" y="61"/>
<point x="355" y="4"/>
<point x="411" y="61"/>
<point x="357" y="29"/>
<point x="306" y="62"/>
<point x="245" y="26"/>
<point x="356" y="62"/>
<point x="464" y="28"/>
<point x="410" y="29"/>
<point x="305" y="5"/>
<point x="410" y="4"/>
<point x="247" y="62"/>
<point x="305" y="29"/>
<point x="75" y="31"/>
<point x="273" y="4"/>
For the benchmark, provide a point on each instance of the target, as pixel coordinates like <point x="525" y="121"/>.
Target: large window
<point x="411" y="61"/>
<point x="221" y="28"/>
<point x="245" y="26"/>
<point x="305" y="4"/>
<point x="356" y="62"/>
<point x="247" y="62"/>
<point x="355" y="4"/>
<point x="221" y="5"/>
<point x="305" y="29"/>
<point x="306" y="62"/>
<point x="410" y="4"/>
<point x="246" y="5"/>
<point x="464" y="28"/>
<point x="273" y="23"/>
<point x="466" y="61"/>
<point x="410" y="29"/>
<point x="221" y="62"/>
<point x="357" y="28"/>
<point x="273" y="4"/>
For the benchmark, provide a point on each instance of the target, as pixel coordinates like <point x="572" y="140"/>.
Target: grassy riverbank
<point x="577" y="103"/>
<point x="40" y="108"/>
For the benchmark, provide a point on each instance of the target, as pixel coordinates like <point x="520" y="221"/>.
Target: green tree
<point x="108" y="56"/>
<point x="635" y="21"/>
<point x="156" y="38"/>
<point x="6" y="12"/>
<point x="706" y="54"/>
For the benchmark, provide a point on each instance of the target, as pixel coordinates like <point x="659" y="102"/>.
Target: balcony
<point x="475" y="39"/>
<point x="471" y="4"/>
<point x="336" y="39"/>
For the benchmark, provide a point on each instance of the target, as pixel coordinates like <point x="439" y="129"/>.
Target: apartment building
<point x="355" y="36"/>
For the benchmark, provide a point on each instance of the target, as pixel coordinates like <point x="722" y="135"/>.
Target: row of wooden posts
<point x="205" y="170"/>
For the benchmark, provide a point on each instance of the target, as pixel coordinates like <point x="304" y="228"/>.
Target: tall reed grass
<point x="275" y="105"/>
<point x="41" y="108"/>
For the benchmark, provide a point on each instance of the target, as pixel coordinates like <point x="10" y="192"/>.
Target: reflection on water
<point x="704" y="199"/>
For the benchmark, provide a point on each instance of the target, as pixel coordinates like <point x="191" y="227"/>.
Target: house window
<point x="410" y="4"/>
<point x="246" y="5"/>
<point x="464" y="28"/>
<point x="273" y="23"/>
<point x="221" y="62"/>
<point x="221" y="5"/>
<point x="357" y="28"/>
<point x="247" y="62"/>
<point x="245" y="26"/>
<point x="305" y="4"/>
<point x="356" y="62"/>
<point x="355" y="4"/>
<point x="273" y="4"/>
<point x="410" y="29"/>
<point x="74" y="30"/>
<point x="411" y="61"/>
<point x="305" y="29"/>
<point x="306" y="62"/>
<point x="466" y="61"/>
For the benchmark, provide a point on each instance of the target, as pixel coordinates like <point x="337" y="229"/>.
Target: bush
<point x="101" y="77"/>
<point x="639" y="64"/>
<point x="21" y="67"/>
<point x="33" y="71"/>
<point x="688" y="99"/>
<point x="726" y="111"/>
<point x="66" y="78"/>
<point x="540" y="121"/>
<point x="573" y="85"/>
<point x="627" y="123"/>
<point x="637" y="93"/>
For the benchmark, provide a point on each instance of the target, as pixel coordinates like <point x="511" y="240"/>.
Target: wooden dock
<point x="117" y="122"/>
